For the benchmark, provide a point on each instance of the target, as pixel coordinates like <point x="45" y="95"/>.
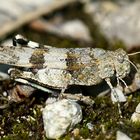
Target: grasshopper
<point x="45" y="67"/>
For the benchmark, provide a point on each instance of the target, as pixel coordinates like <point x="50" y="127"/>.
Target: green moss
<point x="16" y="137"/>
<point x="103" y="115"/>
<point x="117" y="44"/>
<point x="84" y="132"/>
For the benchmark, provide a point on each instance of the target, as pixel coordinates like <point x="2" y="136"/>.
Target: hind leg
<point x="22" y="41"/>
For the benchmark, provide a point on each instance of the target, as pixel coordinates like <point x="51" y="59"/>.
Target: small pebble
<point x="90" y="126"/>
<point x="76" y="132"/>
<point x="136" y="115"/>
<point x="60" y="117"/>
<point x="5" y="93"/>
<point x="138" y="108"/>
<point x="50" y="100"/>
<point x="120" y="94"/>
<point x="122" y="136"/>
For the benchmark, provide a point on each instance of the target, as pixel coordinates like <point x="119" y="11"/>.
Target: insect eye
<point x="120" y="58"/>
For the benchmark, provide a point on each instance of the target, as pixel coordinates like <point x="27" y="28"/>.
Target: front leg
<point x="113" y="91"/>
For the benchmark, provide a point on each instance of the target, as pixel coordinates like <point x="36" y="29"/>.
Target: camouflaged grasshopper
<point x="47" y="67"/>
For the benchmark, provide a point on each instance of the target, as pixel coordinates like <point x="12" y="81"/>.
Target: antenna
<point x="133" y="53"/>
<point x="132" y="64"/>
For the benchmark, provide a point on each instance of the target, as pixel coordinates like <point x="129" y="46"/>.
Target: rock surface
<point x="136" y="115"/>
<point x="60" y="117"/>
<point x="120" y="95"/>
<point x="122" y="136"/>
<point x="74" y="29"/>
<point x="120" y="21"/>
<point x="15" y="13"/>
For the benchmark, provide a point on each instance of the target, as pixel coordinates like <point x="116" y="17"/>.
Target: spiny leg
<point x="114" y="94"/>
<point x="22" y="41"/>
<point x="23" y="81"/>
<point x="15" y="75"/>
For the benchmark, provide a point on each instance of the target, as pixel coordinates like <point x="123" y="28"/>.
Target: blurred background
<point x="107" y="24"/>
<point x="73" y="23"/>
